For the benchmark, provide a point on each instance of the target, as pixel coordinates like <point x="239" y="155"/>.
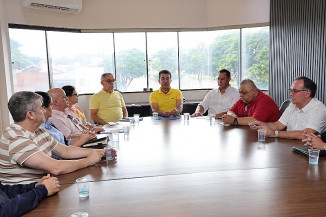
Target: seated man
<point x="52" y="128"/>
<point x="253" y="105"/>
<point x="16" y="200"/>
<point x="305" y="113"/>
<point x="65" y="123"/>
<point x="26" y="148"/>
<point x="166" y="101"/>
<point x="107" y="105"/>
<point x="219" y="101"/>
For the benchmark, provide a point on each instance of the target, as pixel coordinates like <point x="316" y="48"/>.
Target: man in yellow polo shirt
<point x="166" y="101"/>
<point x="107" y="105"/>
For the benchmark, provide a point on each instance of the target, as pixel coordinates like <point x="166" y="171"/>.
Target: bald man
<point x="253" y="105"/>
<point x="65" y="123"/>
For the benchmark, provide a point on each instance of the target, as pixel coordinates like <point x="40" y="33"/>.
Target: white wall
<point x="126" y="14"/>
<point x="121" y="14"/>
<point x="5" y="69"/>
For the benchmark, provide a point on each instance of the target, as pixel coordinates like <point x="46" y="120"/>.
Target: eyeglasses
<point x="110" y="81"/>
<point x="74" y="94"/>
<point x="296" y="91"/>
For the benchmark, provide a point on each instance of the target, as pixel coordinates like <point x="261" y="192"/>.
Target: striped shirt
<point x="16" y="146"/>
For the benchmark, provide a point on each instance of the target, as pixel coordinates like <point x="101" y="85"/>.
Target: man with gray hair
<point x="26" y="148"/>
<point x="253" y="105"/>
<point x="107" y="105"/>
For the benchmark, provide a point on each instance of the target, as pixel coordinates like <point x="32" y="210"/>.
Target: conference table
<point x="191" y="168"/>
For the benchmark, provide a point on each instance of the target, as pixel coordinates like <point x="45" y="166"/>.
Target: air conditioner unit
<point x="68" y="6"/>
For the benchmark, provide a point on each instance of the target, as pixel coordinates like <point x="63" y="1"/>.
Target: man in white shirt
<point x="219" y="101"/>
<point x="305" y="113"/>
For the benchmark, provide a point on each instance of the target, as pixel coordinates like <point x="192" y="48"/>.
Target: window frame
<point x="145" y="31"/>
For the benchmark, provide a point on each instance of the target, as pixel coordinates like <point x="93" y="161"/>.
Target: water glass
<point x="261" y="135"/>
<point x="155" y="116"/>
<point x="115" y="135"/>
<point x="79" y="214"/>
<point x="83" y="187"/>
<point x="313" y="156"/>
<point x="136" y="116"/>
<point x="212" y="119"/>
<point x="132" y="121"/>
<point x="126" y="129"/>
<point x="186" y="116"/>
<point x="110" y="153"/>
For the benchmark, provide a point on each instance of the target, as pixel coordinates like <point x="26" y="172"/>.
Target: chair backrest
<point x="323" y="136"/>
<point x="284" y="105"/>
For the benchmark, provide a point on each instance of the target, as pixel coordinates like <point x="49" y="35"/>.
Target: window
<point x="28" y="56"/>
<point x="193" y="57"/>
<point x="255" y="55"/>
<point x="162" y="54"/>
<point x="79" y="59"/>
<point x="204" y="54"/>
<point x="130" y="61"/>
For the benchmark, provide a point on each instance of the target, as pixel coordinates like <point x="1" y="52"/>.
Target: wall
<point x="5" y="69"/>
<point x="121" y="14"/>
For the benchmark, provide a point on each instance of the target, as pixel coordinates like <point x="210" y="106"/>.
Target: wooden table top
<point x="173" y="168"/>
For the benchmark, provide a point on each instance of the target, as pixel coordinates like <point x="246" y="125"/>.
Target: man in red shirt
<point x="253" y="105"/>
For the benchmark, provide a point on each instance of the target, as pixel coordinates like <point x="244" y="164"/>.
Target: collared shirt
<point x="54" y="132"/>
<point x="109" y="105"/>
<point x="312" y="116"/>
<point x="64" y="124"/>
<point x="263" y="108"/>
<point x="18" y="145"/>
<point x="216" y="102"/>
<point x="166" y="102"/>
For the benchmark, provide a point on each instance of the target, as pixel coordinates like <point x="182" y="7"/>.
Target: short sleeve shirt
<point x="312" y="116"/>
<point x="216" y="102"/>
<point x="64" y="124"/>
<point x="18" y="145"/>
<point x="109" y="105"/>
<point x="166" y="102"/>
<point x="263" y="108"/>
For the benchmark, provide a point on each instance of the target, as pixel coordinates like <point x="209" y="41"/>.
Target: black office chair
<point x="284" y="105"/>
<point x="323" y="137"/>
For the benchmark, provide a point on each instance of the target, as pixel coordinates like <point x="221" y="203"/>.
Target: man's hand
<point x="228" y="119"/>
<point x="97" y="129"/>
<point x="87" y="135"/>
<point x="174" y="112"/>
<point x="196" y="114"/>
<point x="50" y="183"/>
<point x="256" y="125"/>
<point x="96" y="156"/>
<point x="313" y="141"/>
<point x="166" y="113"/>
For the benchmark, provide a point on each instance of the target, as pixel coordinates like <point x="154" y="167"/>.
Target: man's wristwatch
<point x="325" y="147"/>
<point x="276" y="133"/>
<point x="235" y="122"/>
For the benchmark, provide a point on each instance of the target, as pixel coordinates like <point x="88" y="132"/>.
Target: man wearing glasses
<point x="305" y="113"/>
<point x="107" y="105"/>
<point x="166" y="101"/>
<point x="253" y="105"/>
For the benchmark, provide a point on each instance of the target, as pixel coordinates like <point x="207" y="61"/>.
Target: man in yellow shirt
<point x="166" y="101"/>
<point x="107" y="105"/>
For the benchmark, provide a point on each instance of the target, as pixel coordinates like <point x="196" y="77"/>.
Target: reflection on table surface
<point x="178" y="168"/>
